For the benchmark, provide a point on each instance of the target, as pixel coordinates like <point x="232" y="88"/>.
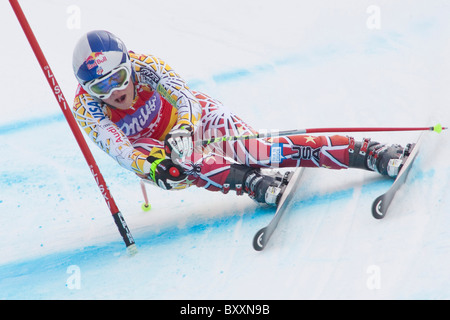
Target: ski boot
<point x="394" y="166"/>
<point x="384" y="159"/>
<point x="262" y="187"/>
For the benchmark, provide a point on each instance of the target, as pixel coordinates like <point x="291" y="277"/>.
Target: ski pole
<point x="117" y="215"/>
<point x="437" y="128"/>
<point x="146" y="206"/>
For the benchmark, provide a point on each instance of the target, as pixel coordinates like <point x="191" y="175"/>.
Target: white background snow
<point x="279" y="65"/>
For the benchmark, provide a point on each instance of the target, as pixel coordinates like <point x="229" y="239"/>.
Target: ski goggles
<point x="103" y="87"/>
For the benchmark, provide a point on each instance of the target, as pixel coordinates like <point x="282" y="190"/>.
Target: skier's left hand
<point x="179" y="141"/>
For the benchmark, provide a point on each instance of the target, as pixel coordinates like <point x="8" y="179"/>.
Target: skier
<point x="138" y="110"/>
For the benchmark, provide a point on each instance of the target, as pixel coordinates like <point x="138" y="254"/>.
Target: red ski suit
<point x="162" y="100"/>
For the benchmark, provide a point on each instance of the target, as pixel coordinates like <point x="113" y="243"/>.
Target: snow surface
<point x="279" y="65"/>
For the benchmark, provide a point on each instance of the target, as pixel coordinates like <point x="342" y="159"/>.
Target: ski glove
<point x="179" y="141"/>
<point x="166" y="174"/>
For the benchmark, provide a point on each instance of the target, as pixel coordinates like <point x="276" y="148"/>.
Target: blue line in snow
<point x="258" y="216"/>
<point x="31" y="123"/>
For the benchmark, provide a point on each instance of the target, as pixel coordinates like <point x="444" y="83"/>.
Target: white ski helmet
<point x="97" y="54"/>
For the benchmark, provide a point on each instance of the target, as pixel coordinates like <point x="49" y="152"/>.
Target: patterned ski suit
<point x="162" y="100"/>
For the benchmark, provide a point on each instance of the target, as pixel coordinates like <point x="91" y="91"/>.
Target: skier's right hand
<point x="165" y="173"/>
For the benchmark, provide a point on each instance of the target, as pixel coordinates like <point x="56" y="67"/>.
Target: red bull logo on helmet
<point x="95" y="59"/>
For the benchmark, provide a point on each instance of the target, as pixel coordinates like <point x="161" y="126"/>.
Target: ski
<point x="262" y="237"/>
<point x="381" y="204"/>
